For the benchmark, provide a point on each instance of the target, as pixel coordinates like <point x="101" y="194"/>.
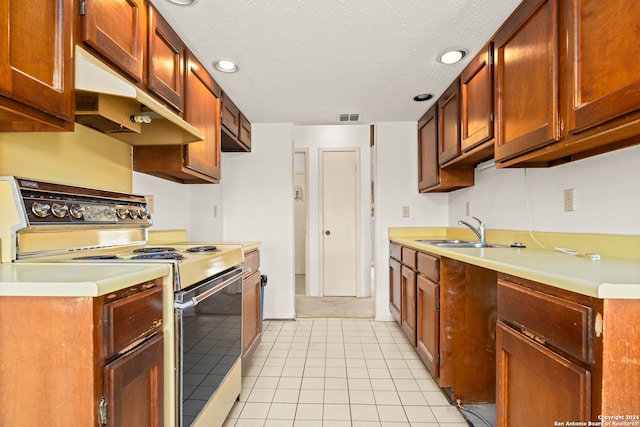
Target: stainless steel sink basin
<point x="468" y="245"/>
<point x="452" y="243"/>
<point x="443" y="241"/>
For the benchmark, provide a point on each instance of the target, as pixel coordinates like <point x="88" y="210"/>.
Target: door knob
<point x="327" y="232"/>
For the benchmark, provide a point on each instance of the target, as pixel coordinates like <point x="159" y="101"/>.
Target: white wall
<point x="396" y="176"/>
<point x="258" y="206"/>
<point x="179" y="206"/>
<point x="607" y="196"/>
<point x="314" y="138"/>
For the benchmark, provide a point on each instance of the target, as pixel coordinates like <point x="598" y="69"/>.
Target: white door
<point x="339" y="220"/>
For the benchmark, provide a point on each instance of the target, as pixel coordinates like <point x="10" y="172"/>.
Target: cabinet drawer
<point x="395" y="251"/>
<point x="562" y="324"/>
<point x="429" y="266"/>
<point x="409" y="257"/>
<point x="131" y="318"/>
<point x="251" y="262"/>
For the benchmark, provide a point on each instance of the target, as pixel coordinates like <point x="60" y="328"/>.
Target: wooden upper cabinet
<point x="236" y="128"/>
<point x="476" y="100"/>
<point x="603" y="72"/>
<point x="230" y="115"/>
<point x="449" y="123"/>
<point x="428" y="168"/>
<point x="431" y="176"/>
<point x="117" y="30"/>
<point x="526" y="79"/>
<point x="166" y="54"/>
<point x="203" y="111"/>
<point x="36" y="88"/>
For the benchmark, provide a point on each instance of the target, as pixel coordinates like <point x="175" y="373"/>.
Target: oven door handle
<point x="197" y="299"/>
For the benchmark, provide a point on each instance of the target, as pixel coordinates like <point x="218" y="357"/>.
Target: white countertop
<point x="74" y="280"/>
<point x="607" y="278"/>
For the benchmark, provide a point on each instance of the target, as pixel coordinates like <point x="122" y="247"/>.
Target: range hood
<point x="106" y="102"/>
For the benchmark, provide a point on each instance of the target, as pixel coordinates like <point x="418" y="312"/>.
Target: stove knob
<point x="133" y="213"/>
<point x="109" y="213"/>
<point x="76" y="211"/>
<point x="122" y="213"/>
<point x="144" y="214"/>
<point x="40" y="209"/>
<point x="59" y="210"/>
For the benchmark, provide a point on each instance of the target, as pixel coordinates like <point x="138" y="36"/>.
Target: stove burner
<point x="91" y="257"/>
<point x="163" y="255"/>
<point x="153" y="250"/>
<point x="203" y="249"/>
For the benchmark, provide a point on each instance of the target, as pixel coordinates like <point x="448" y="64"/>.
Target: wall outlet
<point x="150" y="203"/>
<point x="468" y="208"/>
<point x="568" y="200"/>
<point x="405" y="211"/>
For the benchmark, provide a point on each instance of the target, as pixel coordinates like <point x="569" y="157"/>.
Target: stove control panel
<point x="57" y="204"/>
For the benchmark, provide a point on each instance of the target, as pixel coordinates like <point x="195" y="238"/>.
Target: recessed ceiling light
<point x="226" y="66"/>
<point x="422" y="97"/>
<point x="453" y="56"/>
<point x="183" y="2"/>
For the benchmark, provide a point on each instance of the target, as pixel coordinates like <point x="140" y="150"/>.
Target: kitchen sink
<point x="452" y="243"/>
<point x="468" y="245"/>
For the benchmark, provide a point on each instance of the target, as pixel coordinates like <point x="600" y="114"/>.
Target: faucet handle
<point x="480" y="223"/>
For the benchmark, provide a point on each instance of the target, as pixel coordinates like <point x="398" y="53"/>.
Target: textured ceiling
<point x="305" y="61"/>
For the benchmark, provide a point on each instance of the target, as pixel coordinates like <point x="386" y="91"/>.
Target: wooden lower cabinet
<point x="251" y="304"/>
<point x="64" y="361"/>
<point x="408" y="312"/>
<point x="563" y="356"/>
<point x="428" y="324"/>
<point x="395" y="289"/>
<point x="537" y="387"/>
<point x="250" y="313"/>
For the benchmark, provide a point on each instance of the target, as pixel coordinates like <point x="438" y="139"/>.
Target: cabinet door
<point x="134" y="387"/>
<point x="408" y="311"/>
<point x="536" y="387"/>
<point x="230" y="115"/>
<point x="395" y="289"/>
<point x="526" y="86"/>
<point x="36" y="59"/>
<point x="476" y="100"/>
<point x="602" y="74"/>
<point x="428" y="324"/>
<point x="203" y="111"/>
<point x="250" y="312"/>
<point x="117" y="30"/>
<point x="245" y="132"/>
<point x="166" y="61"/>
<point x="449" y="123"/>
<point x="428" y="167"/>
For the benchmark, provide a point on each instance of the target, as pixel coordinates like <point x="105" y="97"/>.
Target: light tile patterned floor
<point x="332" y="372"/>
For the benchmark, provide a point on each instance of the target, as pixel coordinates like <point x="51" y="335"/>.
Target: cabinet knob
<point x="327" y="232"/>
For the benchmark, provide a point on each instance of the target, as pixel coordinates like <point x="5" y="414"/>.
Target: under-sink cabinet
<point x="448" y="312"/>
<point x="83" y="361"/>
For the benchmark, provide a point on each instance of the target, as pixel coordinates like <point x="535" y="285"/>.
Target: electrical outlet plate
<point x="405" y="211"/>
<point x="568" y="200"/>
<point x="150" y="203"/>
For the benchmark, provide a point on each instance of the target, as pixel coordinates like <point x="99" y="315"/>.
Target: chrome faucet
<point x="479" y="231"/>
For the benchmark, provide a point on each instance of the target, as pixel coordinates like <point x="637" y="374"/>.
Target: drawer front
<point x="409" y="257"/>
<point x="429" y="266"/>
<point x="251" y="262"/>
<point x="130" y="319"/>
<point x="395" y="251"/>
<point x="564" y="325"/>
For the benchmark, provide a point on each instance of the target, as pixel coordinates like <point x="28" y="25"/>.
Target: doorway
<point x="300" y="206"/>
<point x="339" y="219"/>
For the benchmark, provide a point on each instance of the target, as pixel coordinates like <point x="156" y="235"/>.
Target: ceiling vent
<point x="348" y="117"/>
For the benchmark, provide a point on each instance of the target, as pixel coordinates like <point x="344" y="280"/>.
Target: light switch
<point x="405" y="211"/>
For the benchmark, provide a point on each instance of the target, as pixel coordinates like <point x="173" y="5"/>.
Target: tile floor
<point x="333" y="372"/>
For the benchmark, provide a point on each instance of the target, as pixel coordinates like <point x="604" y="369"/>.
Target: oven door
<point x="208" y="319"/>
